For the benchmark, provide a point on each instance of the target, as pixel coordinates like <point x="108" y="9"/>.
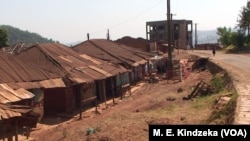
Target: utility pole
<point x="87" y="36"/>
<point x="108" y="36"/>
<point x="170" y="63"/>
<point x="196" y="36"/>
<point x="172" y="33"/>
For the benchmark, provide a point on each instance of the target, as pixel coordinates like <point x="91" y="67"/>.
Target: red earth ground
<point x="128" y="119"/>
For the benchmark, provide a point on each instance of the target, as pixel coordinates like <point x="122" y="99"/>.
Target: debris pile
<point x="201" y="89"/>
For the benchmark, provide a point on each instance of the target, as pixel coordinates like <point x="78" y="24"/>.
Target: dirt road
<point x="238" y="65"/>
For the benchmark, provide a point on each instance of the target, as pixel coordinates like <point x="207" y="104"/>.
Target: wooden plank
<point x="86" y="101"/>
<point x="194" y="91"/>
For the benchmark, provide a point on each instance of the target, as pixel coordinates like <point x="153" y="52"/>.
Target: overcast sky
<point x="69" y="21"/>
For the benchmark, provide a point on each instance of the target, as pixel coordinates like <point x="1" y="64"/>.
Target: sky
<point x="69" y="21"/>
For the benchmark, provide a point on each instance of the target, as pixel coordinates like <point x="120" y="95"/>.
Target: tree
<point x="229" y="37"/>
<point x="244" y="19"/>
<point x="3" y="38"/>
<point x="238" y="39"/>
<point x="225" y="36"/>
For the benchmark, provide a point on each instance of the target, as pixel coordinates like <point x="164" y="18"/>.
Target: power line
<point x="130" y="19"/>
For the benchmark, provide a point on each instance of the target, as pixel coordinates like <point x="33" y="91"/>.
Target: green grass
<point x="217" y="83"/>
<point x="205" y="101"/>
<point x="225" y="115"/>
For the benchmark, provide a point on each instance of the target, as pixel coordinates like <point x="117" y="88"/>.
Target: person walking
<point x="213" y="51"/>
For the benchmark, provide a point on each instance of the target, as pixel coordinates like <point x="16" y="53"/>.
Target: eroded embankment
<point x="225" y="105"/>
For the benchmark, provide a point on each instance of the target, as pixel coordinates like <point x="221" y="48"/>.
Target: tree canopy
<point x="237" y="38"/>
<point x="3" y="38"/>
<point x="244" y="18"/>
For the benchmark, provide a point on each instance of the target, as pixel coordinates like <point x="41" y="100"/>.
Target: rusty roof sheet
<point x="139" y="63"/>
<point x="52" y="83"/>
<point x="112" y="51"/>
<point x="10" y="111"/>
<point x="80" y="68"/>
<point x="95" y="51"/>
<point x="87" y="57"/>
<point x="13" y="69"/>
<point x="8" y="95"/>
<point x="24" y="94"/>
<point x="25" y="85"/>
<point x="101" y="71"/>
<point x="138" y="52"/>
<point x="6" y="112"/>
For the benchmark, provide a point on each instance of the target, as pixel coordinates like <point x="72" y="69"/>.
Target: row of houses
<point x="48" y="79"/>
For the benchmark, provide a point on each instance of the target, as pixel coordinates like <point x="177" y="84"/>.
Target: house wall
<point x="38" y="105"/>
<point x="110" y="87"/>
<point x="121" y="79"/>
<point x="133" y="75"/>
<point x="88" y="90"/>
<point x="100" y="90"/>
<point x="83" y="92"/>
<point x="137" y="73"/>
<point x="59" y="100"/>
<point x="70" y="102"/>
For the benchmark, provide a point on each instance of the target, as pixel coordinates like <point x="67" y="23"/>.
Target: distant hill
<point x="17" y="35"/>
<point x="207" y="36"/>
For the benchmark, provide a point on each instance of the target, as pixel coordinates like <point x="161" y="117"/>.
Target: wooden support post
<point x="121" y="79"/>
<point x="16" y="130"/>
<point x="4" y="131"/>
<point x="130" y="90"/>
<point x="104" y="92"/>
<point x="80" y="100"/>
<point x="27" y="132"/>
<point x="181" y="72"/>
<point x="96" y="106"/>
<point x="9" y="131"/>
<point x="112" y="87"/>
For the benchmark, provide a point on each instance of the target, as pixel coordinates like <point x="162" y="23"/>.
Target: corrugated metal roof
<point x="112" y="51"/>
<point x="6" y="113"/>
<point x="138" y="52"/>
<point x="96" y="52"/>
<point x="10" y="111"/>
<point x="24" y="94"/>
<point x="8" y="95"/>
<point x="87" y="57"/>
<point x="139" y="63"/>
<point x="19" y="93"/>
<point x="79" y="68"/>
<point x="25" y="85"/>
<point x="13" y="69"/>
<point x="52" y="83"/>
<point x="101" y="71"/>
